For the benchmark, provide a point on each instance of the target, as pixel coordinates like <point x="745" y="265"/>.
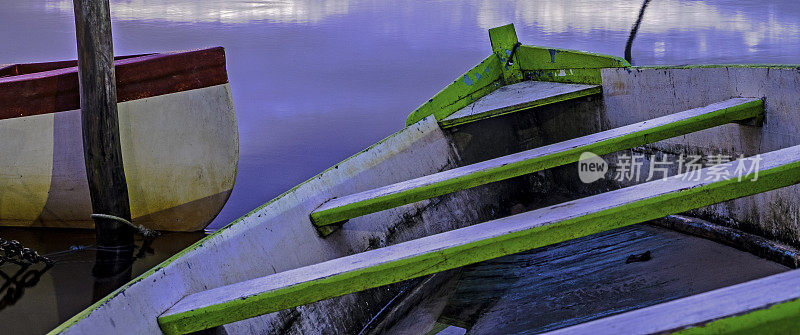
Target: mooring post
<point x="100" y="123"/>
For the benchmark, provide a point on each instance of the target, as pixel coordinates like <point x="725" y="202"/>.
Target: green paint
<point x="446" y="102"/>
<point x="782" y="318"/>
<point x="437" y="327"/>
<point x="483" y="79"/>
<point x="503" y="39"/>
<point x="530" y="63"/>
<point x="565" y="66"/>
<point x="326" y="230"/>
<point x="447" y="123"/>
<point x="681" y="127"/>
<point x="480" y="250"/>
<point x="533" y="58"/>
<point x="567" y="76"/>
<point x="86" y="312"/>
<point x="197" y="245"/>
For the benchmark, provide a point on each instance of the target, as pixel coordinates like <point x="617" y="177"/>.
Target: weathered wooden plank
<point x="100" y="122"/>
<point x="480" y="242"/>
<point x="341" y="209"/>
<point x="568" y="76"/>
<point x="515" y="97"/>
<point x="477" y="82"/>
<point x="565" y="66"/>
<point x="769" y="305"/>
<point x="504" y="46"/>
<point x="545" y="64"/>
<point x="540" y="58"/>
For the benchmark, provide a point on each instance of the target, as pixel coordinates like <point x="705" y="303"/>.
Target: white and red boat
<point x="178" y="134"/>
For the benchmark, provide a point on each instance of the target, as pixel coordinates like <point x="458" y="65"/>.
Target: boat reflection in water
<point x="35" y="299"/>
<point x="275" y="47"/>
<point x="112" y="269"/>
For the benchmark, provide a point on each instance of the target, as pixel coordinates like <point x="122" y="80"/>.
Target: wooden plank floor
<point x="589" y="278"/>
<point x="769" y="305"/>
<point x="516" y="97"/>
<point x="344" y="208"/>
<point x="480" y="242"/>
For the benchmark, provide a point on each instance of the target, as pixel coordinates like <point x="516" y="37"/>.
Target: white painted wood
<point x="697" y="309"/>
<point x="177" y="149"/>
<point x="516" y="96"/>
<point x="180" y="148"/>
<point x="636" y="94"/>
<point x="431" y="245"/>
<point x="267" y="240"/>
<point x="465" y="171"/>
<point x="26" y="165"/>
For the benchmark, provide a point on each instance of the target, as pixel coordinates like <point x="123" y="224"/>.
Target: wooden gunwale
<point x="477" y="243"/>
<point x="56" y="90"/>
<point x="454" y="98"/>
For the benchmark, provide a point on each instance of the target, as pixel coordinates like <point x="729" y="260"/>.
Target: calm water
<point x="316" y="81"/>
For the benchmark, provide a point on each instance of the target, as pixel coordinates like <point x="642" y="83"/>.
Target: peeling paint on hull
<point x="279" y="236"/>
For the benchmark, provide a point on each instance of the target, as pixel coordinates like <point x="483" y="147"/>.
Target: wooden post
<point x="100" y="123"/>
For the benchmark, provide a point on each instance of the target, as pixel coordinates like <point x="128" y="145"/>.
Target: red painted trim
<point x="33" y="89"/>
<point x="19" y="69"/>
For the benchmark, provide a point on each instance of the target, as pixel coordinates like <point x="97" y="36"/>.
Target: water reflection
<point x="14" y="282"/>
<point x="316" y="81"/>
<point x="753" y="23"/>
<point x="584" y="16"/>
<point x="221" y="11"/>
<point x="36" y="298"/>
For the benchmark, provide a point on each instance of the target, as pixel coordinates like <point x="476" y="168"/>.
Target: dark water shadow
<point x="37" y="299"/>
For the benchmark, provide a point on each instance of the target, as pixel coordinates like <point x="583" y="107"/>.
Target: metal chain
<point x="14" y="252"/>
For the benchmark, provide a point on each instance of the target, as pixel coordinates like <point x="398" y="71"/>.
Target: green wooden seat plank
<point x="344" y="208"/>
<point x="516" y="97"/>
<point x="769" y="305"/>
<point x="480" y="242"/>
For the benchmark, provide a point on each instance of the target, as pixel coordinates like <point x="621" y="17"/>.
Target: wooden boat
<point x="178" y="132"/>
<point x="332" y="254"/>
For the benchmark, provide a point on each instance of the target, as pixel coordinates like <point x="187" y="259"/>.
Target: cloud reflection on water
<point x="550" y="16"/>
<point x="661" y="17"/>
<point x="221" y="11"/>
<point x="315" y="81"/>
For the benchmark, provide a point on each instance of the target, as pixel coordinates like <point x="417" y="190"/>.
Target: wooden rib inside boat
<point x="338" y="252"/>
<point x="178" y="134"/>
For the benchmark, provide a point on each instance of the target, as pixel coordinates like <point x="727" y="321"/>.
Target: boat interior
<point x="488" y="174"/>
